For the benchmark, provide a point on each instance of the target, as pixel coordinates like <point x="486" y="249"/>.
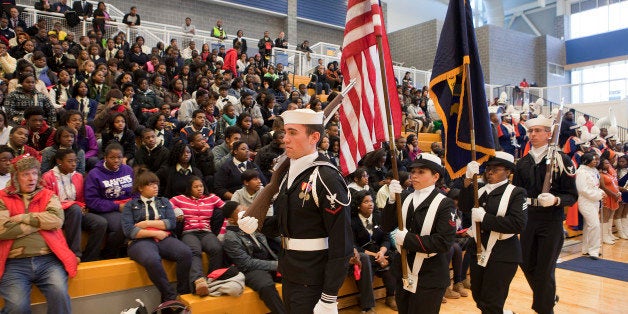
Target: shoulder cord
<point x="330" y="196"/>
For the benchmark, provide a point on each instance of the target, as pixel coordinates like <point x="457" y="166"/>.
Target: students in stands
<point x="17" y="142"/>
<point x="67" y="184"/>
<point x="222" y="152"/>
<point x="203" y="157"/>
<point x="132" y="18"/>
<point x="249" y="135"/>
<point x="33" y="248"/>
<point x="202" y="225"/>
<point x="107" y="188"/>
<point x="114" y="104"/>
<point x="228" y="176"/>
<point x="27" y="96"/>
<point x="6" y="155"/>
<point x="40" y="134"/>
<point x="426" y="245"/>
<point x="177" y="170"/>
<point x="371" y="240"/>
<point x="150" y="154"/>
<point x="252" y="255"/>
<point x="148" y="222"/>
<point x="121" y="134"/>
<point x="64" y="138"/>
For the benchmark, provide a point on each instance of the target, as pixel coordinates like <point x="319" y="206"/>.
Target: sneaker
<point x="450" y="294"/>
<point x="459" y="287"/>
<point x="391" y="303"/>
<point x="200" y="287"/>
<point x="444" y="300"/>
<point x="467" y="283"/>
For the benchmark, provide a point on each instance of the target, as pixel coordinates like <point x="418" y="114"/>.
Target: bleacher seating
<point x="120" y="274"/>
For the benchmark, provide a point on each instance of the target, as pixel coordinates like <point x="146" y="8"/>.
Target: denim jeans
<point x="46" y="272"/>
<point x="149" y="253"/>
<point x="199" y="242"/>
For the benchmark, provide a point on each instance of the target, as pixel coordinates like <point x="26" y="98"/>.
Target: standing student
<point x="542" y="239"/>
<point x="428" y="233"/>
<point x="502" y="214"/>
<point x="312" y="216"/>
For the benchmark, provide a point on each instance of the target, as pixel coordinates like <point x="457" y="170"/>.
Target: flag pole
<point x="393" y="159"/>
<point x="476" y="201"/>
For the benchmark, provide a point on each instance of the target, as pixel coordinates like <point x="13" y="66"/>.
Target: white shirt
<point x="364" y="221"/>
<point x="538" y="153"/>
<point x="4" y="139"/>
<point x="491" y="187"/>
<point x="299" y="165"/>
<point x="152" y="206"/>
<point x="188" y="29"/>
<point x="67" y="190"/>
<point x="4" y="179"/>
<point x="420" y="195"/>
<point x="237" y="163"/>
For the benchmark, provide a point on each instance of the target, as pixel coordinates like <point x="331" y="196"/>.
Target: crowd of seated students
<point x="145" y="149"/>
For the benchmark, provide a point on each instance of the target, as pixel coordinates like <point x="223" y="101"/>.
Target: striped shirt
<point x="197" y="213"/>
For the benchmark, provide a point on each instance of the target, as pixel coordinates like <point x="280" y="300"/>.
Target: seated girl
<point x="147" y="221"/>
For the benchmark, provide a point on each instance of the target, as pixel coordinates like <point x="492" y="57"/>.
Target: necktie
<point x="150" y="212"/>
<point x="160" y="134"/>
<point x="242" y="167"/>
<point x="98" y="90"/>
<point x="369" y="225"/>
<point x="83" y="104"/>
<point x="184" y="172"/>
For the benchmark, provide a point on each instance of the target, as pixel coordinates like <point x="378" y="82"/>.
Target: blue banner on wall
<point x="597" y="47"/>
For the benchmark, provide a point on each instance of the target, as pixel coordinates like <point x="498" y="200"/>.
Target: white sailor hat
<point x="302" y="116"/>
<point x="493" y="109"/>
<point x="430" y="161"/>
<point x="503" y="159"/>
<point x="541" y="120"/>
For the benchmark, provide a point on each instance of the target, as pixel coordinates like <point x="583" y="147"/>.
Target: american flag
<point x="363" y="121"/>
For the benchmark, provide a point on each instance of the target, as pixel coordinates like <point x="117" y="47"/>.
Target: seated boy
<point x="40" y="134"/>
<point x="252" y="186"/>
<point x="17" y="142"/>
<point x="198" y="125"/>
<point x="253" y="257"/>
<point x="150" y="153"/>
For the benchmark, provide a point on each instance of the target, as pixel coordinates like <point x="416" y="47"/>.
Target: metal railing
<point x="153" y="33"/>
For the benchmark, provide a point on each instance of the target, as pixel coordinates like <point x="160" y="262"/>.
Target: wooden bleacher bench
<point x="250" y="303"/>
<point x="120" y="274"/>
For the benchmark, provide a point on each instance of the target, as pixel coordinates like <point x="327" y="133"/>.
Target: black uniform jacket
<point x="514" y="221"/>
<point x="435" y="270"/>
<point x="530" y="176"/>
<point x="299" y="217"/>
<point x="365" y="241"/>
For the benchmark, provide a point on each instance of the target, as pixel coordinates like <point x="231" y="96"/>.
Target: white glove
<point x="477" y="214"/>
<point x="546" y="199"/>
<point x="400" y="236"/>
<point x="472" y="169"/>
<point x="248" y="224"/>
<point x="394" y="187"/>
<point x="326" y="308"/>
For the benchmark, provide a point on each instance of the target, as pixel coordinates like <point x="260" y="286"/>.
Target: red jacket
<point x="231" y="57"/>
<point x="50" y="182"/>
<point x="54" y="238"/>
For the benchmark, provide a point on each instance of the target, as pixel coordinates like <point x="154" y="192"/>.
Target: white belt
<point x="317" y="244"/>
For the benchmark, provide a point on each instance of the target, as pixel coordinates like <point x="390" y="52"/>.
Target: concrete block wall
<point x="415" y="46"/>
<point x="512" y="56"/>
<point x="315" y="33"/>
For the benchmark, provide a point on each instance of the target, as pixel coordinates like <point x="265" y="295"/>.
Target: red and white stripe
<point x="363" y="121"/>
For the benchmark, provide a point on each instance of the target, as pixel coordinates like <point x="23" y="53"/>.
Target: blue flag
<point x="456" y="48"/>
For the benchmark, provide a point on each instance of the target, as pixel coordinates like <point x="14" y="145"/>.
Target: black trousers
<point x="490" y="284"/>
<point x="423" y="301"/>
<point x="262" y="282"/>
<point x="299" y="298"/>
<point x="541" y="243"/>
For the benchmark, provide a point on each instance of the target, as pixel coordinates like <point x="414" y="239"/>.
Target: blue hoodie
<point x="103" y="187"/>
